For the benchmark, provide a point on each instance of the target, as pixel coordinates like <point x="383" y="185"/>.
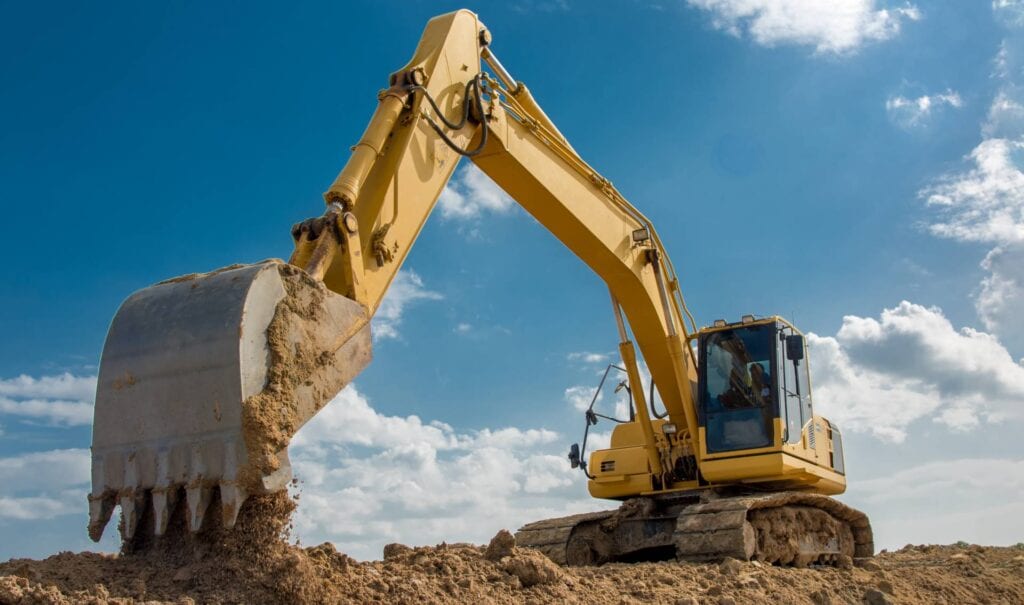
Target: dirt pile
<point x="253" y="564"/>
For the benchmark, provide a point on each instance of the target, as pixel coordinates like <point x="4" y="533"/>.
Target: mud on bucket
<point x="204" y="379"/>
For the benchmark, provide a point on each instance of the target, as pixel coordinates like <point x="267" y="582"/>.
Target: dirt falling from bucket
<point x="314" y="350"/>
<point x="270" y="418"/>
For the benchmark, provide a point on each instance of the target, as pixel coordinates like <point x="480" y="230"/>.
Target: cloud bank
<point x="369" y="479"/>
<point x="881" y="375"/>
<point x="832" y="27"/>
<point x="61" y="400"/>
<point x="43" y="485"/>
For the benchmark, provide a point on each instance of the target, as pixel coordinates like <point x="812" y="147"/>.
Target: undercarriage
<point x="783" y="528"/>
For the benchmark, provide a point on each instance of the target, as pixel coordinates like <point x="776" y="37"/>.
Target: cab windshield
<point x="737" y="397"/>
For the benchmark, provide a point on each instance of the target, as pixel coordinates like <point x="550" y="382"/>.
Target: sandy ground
<point x="255" y="565"/>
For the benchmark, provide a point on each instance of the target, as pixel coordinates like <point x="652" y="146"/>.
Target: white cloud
<point x="1002" y="61"/>
<point x="349" y="419"/>
<point x="62" y="386"/>
<point x="1010" y="12"/>
<point x="1000" y="299"/>
<point x="911" y="112"/>
<point x="54" y="469"/>
<point x="56" y="412"/>
<point x="985" y="203"/>
<point x="580" y="396"/>
<point x="44" y="485"/>
<point x="982" y="502"/>
<point x="588" y="357"/>
<point x="463" y="328"/>
<point x="62" y="400"/>
<point x="879" y="376"/>
<point x="472" y="193"/>
<point x="405" y="289"/>
<point x="859" y="399"/>
<point x="39" y="507"/>
<point x="400" y="479"/>
<point x="1006" y="114"/>
<point x="836" y="26"/>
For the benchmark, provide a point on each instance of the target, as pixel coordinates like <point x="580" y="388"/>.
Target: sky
<point x="856" y="166"/>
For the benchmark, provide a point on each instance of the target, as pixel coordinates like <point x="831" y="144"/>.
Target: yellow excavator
<point x="205" y="378"/>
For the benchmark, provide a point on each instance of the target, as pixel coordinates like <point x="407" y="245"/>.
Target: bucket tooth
<point x="231" y="498"/>
<point x="100" y="510"/>
<point x="165" y="492"/>
<point x="132" y="505"/>
<point x="133" y="499"/>
<point x="164" y="499"/>
<point x="232" y="493"/>
<point x="198" y="500"/>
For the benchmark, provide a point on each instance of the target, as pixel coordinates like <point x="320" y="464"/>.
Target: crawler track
<point x="785" y="528"/>
<point x="551" y="536"/>
<point x="788" y="528"/>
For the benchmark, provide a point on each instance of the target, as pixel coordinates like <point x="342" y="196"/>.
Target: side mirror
<point x="795" y="347"/>
<point x="574" y="455"/>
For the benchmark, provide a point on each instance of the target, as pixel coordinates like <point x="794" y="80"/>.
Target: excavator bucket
<point x="204" y="379"/>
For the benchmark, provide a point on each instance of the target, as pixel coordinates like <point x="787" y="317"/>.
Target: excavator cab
<point x="754" y="408"/>
<point x="755" y="422"/>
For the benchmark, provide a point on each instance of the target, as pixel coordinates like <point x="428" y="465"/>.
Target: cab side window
<point x="795" y="388"/>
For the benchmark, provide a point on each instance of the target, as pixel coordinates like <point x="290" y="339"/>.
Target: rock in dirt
<point x="867" y="564"/>
<point x="873" y="596"/>
<point x="502" y="545"/>
<point x="532" y="568"/>
<point x="394" y="550"/>
<point x="730" y="567"/>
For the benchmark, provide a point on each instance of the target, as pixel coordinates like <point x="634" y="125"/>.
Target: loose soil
<point x="255" y="563"/>
<point x="313" y="353"/>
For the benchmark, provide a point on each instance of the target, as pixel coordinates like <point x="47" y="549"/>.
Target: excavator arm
<point x="408" y="153"/>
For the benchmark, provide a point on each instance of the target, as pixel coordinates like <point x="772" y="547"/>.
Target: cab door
<point x="738" y="391"/>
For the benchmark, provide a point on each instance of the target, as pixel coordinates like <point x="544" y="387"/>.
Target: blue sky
<point x="822" y="162"/>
